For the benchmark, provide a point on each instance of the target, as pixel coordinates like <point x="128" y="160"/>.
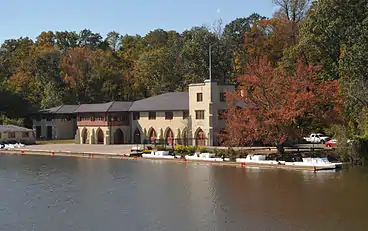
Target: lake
<point x="64" y="193"/>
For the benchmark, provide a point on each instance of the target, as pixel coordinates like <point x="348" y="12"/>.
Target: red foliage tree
<point x="270" y="106"/>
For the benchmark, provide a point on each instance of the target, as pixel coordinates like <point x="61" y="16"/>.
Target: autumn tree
<point x="270" y="105"/>
<point x="233" y="37"/>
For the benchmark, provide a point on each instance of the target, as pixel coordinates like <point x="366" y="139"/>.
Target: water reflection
<point x="41" y="193"/>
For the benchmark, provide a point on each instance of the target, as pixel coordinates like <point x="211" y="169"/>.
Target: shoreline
<point x="106" y="155"/>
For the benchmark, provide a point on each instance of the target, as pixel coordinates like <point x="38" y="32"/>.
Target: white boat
<point x="11" y="146"/>
<point x="158" y="154"/>
<point x="317" y="162"/>
<point x="258" y="159"/>
<point x="206" y="157"/>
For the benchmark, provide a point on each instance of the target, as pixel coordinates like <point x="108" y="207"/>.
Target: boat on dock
<point x="318" y="163"/>
<point x="310" y="163"/>
<point x="205" y="157"/>
<point x="258" y="159"/>
<point x="159" y="155"/>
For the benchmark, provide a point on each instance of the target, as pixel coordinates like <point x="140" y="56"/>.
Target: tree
<point x="45" y="40"/>
<point x="293" y="10"/>
<point x="156" y="38"/>
<point x="270" y="105"/>
<point x="113" y="38"/>
<point x="155" y="70"/>
<point x="89" y="39"/>
<point x="233" y="37"/>
<point x="66" y="40"/>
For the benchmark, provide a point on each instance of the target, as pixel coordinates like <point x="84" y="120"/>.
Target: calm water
<point x="51" y="194"/>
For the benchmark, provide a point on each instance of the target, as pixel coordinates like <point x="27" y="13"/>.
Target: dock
<point x="121" y="152"/>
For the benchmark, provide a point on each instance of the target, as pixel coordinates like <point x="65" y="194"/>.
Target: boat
<point x="319" y="163"/>
<point x="258" y="159"/>
<point x="136" y="151"/>
<point x="158" y="155"/>
<point x="311" y="163"/>
<point x="206" y="157"/>
<point x="11" y="146"/>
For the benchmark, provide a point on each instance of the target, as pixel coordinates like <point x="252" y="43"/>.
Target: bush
<point x="160" y="147"/>
<point x="202" y="149"/>
<point x="180" y="149"/>
<point x="190" y="149"/>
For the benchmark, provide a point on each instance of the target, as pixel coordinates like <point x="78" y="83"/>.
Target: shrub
<point x="190" y="149"/>
<point x="180" y="149"/>
<point x="202" y="149"/>
<point x="160" y="147"/>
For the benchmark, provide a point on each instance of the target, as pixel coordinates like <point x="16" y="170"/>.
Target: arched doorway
<point x="84" y="136"/>
<point x="200" y="137"/>
<point x="169" y="137"/>
<point x="152" y="136"/>
<point x="100" y="136"/>
<point x="137" y="136"/>
<point x="118" y="136"/>
<point x="185" y="137"/>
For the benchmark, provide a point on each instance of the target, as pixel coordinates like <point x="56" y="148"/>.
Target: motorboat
<point x="206" y="157"/>
<point x="316" y="162"/>
<point x="258" y="159"/>
<point x="158" y="155"/>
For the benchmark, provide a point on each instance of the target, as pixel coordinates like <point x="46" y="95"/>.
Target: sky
<point x="28" y="18"/>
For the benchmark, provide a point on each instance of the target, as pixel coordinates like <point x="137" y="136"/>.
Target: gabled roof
<point x="62" y="109"/>
<point x="172" y="101"/>
<point x="13" y="128"/>
<point x="113" y="106"/>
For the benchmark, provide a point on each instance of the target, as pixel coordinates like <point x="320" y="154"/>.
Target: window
<point x="222" y="97"/>
<point x="152" y="115"/>
<point x="136" y="115"/>
<point x="169" y="115"/>
<point x="221" y="114"/>
<point x="199" y="115"/>
<point x="25" y="134"/>
<point x="199" y="97"/>
<point x="185" y="114"/>
<point x="0" y="135"/>
<point x="11" y="134"/>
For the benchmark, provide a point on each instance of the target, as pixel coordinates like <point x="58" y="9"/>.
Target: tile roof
<point x="172" y="101"/>
<point x="13" y="128"/>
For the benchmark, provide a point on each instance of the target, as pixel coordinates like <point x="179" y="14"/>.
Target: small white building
<point x="12" y="133"/>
